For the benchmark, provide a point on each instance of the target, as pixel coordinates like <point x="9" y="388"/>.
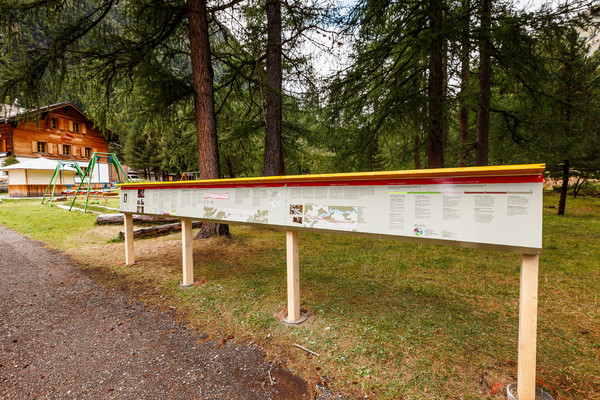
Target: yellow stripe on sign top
<point x="499" y="170"/>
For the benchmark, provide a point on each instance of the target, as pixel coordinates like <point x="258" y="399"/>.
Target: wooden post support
<point x="528" y="299"/>
<point x="293" y="276"/>
<point x="129" y="253"/>
<point x="186" y="248"/>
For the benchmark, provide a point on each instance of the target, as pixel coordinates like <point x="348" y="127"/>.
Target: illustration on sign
<point x="343" y="218"/>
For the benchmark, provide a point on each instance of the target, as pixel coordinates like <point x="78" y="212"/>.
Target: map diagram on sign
<point x="331" y="217"/>
<point x="237" y="215"/>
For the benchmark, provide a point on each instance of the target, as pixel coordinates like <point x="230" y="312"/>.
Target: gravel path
<point x="62" y="336"/>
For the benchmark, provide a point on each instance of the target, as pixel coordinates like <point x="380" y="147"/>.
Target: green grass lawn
<point x="105" y="205"/>
<point x="389" y="319"/>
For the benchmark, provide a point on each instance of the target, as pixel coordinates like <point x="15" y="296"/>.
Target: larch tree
<point x="571" y="117"/>
<point x="435" y="137"/>
<point x="204" y="102"/>
<point x="465" y="58"/>
<point x="378" y="104"/>
<point x="261" y="46"/>
<point x="485" y="74"/>
<point x="273" y="157"/>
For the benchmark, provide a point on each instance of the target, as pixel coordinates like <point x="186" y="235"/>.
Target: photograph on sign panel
<point x="296" y="209"/>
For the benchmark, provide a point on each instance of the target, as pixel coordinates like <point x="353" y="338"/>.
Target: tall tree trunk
<point x="435" y="138"/>
<point x="563" y="190"/>
<point x="464" y="87"/>
<point x="204" y="102"/>
<point x="417" y="151"/>
<point x="566" y="107"/>
<point x="273" y="159"/>
<point x="229" y="164"/>
<point x="375" y="161"/>
<point x="445" y="127"/>
<point x="485" y="74"/>
<point x="417" y="138"/>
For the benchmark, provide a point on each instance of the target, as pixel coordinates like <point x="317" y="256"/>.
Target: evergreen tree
<point x="485" y="72"/>
<point x="570" y="125"/>
<point x="273" y="159"/>
<point x="397" y="82"/>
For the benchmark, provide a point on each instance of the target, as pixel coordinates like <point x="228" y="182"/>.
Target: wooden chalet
<point x="59" y="132"/>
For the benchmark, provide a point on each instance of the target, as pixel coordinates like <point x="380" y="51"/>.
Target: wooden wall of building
<point x="5" y="139"/>
<point x="33" y="190"/>
<point x="27" y="134"/>
<point x="39" y="190"/>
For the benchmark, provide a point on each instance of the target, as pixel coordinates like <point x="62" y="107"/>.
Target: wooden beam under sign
<point x="129" y="252"/>
<point x="293" y="276"/>
<point x="187" y="256"/>
<point x="528" y="301"/>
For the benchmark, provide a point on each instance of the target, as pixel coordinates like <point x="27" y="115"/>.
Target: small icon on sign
<point x="418" y="232"/>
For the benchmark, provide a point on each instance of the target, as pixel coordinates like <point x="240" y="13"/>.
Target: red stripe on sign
<point x="366" y="182"/>
<point x="218" y="196"/>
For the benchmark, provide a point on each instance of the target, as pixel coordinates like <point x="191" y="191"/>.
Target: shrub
<point x="10" y="160"/>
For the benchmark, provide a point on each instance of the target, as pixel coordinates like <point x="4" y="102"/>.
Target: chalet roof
<point x="42" y="163"/>
<point x="10" y="113"/>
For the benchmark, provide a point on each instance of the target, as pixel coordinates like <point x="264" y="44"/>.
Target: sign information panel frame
<point x="497" y="208"/>
<point x="500" y="212"/>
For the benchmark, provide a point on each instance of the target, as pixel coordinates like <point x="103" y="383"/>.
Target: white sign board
<point x="500" y="212"/>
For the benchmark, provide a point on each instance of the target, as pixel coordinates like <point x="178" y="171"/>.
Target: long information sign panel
<point x="494" y="211"/>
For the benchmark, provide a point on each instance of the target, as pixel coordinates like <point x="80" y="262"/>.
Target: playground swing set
<point x="87" y="176"/>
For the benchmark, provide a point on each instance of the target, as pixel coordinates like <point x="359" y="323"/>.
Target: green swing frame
<point x="113" y="161"/>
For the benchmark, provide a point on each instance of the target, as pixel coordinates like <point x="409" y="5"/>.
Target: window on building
<point x="41" y="147"/>
<point x="66" y="149"/>
<point x="3" y="145"/>
<point x="76" y="127"/>
<point x="88" y="152"/>
<point x="54" y="123"/>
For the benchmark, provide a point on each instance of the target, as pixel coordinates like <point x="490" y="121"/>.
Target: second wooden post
<point x="293" y="276"/>
<point x="187" y="257"/>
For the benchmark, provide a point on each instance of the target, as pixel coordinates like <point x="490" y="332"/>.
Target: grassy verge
<point x="391" y="320"/>
<point x="101" y="204"/>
